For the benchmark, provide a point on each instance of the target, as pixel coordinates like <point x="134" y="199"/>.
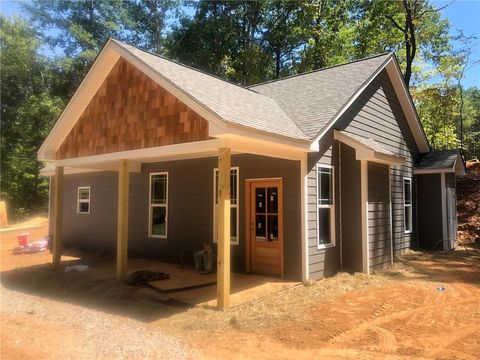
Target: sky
<point x="463" y="15"/>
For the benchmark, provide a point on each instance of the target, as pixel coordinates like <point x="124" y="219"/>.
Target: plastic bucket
<point x="207" y="262"/>
<point x="198" y="257"/>
<point x="22" y="239"/>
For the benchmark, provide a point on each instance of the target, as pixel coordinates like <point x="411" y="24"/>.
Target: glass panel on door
<point x="272" y="227"/>
<point x="266" y="214"/>
<point x="260" y="227"/>
<point x="260" y="200"/>
<point x="272" y="199"/>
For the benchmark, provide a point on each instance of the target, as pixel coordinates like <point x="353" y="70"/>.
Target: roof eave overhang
<point x="363" y="152"/>
<point x="423" y="171"/>
<point x="193" y="150"/>
<point x="395" y="75"/>
<point x="458" y="168"/>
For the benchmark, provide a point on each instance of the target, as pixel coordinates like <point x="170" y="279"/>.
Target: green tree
<point x="328" y="33"/>
<point x="472" y="123"/>
<point x="78" y="29"/>
<point x="413" y="28"/>
<point x="146" y="22"/>
<point x="27" y="111"/>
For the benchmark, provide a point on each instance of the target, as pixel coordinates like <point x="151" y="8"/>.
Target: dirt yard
<point x="426" y="307"/>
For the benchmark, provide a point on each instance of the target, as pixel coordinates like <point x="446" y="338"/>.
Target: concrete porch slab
<point x="244" y="287"/>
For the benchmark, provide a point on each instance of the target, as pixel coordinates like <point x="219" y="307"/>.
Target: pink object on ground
<point x="22" y="239"/>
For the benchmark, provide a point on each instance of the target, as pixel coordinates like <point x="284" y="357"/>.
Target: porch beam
<point x="223" y="229"/>
<point x="122" y="221"/>
<point x="57" y="218"/>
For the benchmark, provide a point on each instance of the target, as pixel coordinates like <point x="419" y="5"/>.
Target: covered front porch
<point x="209" y="159"/>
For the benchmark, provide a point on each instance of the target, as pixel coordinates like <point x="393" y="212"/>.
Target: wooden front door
<point x="265" y="214"/>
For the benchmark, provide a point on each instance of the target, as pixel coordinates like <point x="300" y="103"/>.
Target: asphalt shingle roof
<point x="298" y="106"/>
<point x="437" y="159"/>
<point x="313" y="99"/>
<point x="230" y="102"/>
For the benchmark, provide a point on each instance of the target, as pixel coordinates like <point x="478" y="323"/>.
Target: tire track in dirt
<point x="428" y="310"/>
<point x="387" y="342"/>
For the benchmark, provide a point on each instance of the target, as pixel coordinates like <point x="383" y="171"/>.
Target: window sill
<point x="326" y="246"/>
<point x="157" y="236"/>
<point x="407" y="232"/>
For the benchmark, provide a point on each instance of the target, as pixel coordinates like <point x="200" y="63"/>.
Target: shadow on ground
<point x="96" y="289"/>
<point x="462" y="265"/>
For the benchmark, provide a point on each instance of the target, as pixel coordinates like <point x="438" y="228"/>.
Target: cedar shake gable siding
<point x="130" y="111"/>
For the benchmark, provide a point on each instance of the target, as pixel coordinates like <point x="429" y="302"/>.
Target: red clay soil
<point x="468" y="206"/>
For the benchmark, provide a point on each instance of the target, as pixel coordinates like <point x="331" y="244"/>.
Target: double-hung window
<point x="407" y="205"/>
<point x="234" y="213"/>
<point x="158" y="207"/>
<point x="325" y="206"/>
<point x="83" y="200"/>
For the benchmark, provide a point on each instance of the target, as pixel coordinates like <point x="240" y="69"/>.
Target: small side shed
<point x="435" y="185"/>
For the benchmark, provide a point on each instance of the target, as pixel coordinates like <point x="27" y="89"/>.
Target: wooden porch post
<point x="223" y="229"/>
<point x="57" y="217"/>
<point x="122" y="221"/>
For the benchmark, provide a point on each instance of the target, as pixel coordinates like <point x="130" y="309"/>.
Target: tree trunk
<point x="410" y="41"/>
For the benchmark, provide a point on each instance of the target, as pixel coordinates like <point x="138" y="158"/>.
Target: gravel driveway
<point x="69" y="331"/>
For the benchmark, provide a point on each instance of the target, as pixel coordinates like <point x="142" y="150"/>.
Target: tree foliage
<point x="28" y="110"/>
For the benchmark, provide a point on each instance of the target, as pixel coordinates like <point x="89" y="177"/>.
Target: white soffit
<point x="368" y="149"/>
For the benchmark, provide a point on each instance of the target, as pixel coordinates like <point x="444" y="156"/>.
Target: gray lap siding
<point x="190" y="209"/>
<point x="379" y="231"/>
<point x="377" y="114"/>
<point x="325" y="261"/>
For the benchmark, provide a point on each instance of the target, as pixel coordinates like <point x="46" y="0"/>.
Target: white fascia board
<point x="406" y="102"/>
<point x="251" y="145"/>
<point x="363" y="152"/>
<point x="235" y="130"/>
<point x="433" y="171"/>
<point x="50" y="171"/>
<point x="151" y="154"/>
<point x="91" y="83"/>
<point x="350" y="102"/>
<point x="459" y="167"/>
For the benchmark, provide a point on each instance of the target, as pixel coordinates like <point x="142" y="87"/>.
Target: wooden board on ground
<point x="183" y="280"/>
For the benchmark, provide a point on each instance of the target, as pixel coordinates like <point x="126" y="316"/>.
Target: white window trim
<point x="151" y="206"/>
<point x="234" y="240"/>
<point x="409" y="179"/>
<point x="331" y="207"/>
<point x="84" y="200"/>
